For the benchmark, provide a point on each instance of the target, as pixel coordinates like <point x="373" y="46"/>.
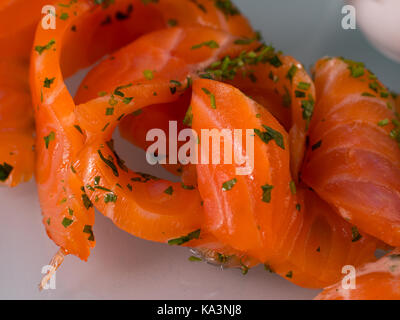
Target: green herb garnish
<point x="270" y="134"/>
<point x="228" y="185"/>
<point x="267" y="189"/>
<point x="179" y="241"/>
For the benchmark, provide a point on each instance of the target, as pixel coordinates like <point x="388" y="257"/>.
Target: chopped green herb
<point x="299" y="94"/>
<point x="223" y="258"/>
<point x="49" y="138"/>
<point x="308" y="108"/>
<point x="67" y="222"/>
<point x="227" y="68"/>
<point x="176" y="83"/>
<point x="102" y="188"/>
<point x="298" y="207"/>
<point x="194" y="259"/>
<point x="179" y="241"/>
<point x="211" y="44"/>
<point x="112" y="101"/>
<point x="212" y="97"/>
<point x="355" y="234"/>
<point x="109" y="162"/>
<point x="303" y="86"/>
<point x="268" y="268"/>
<point x="137" y="112"/>
<point x="291" y="73"/>
<point x="188" y="119"/>
<point x="148" y="74"/>
<point x="77" y="127"/>
<point x="48" y="46"/>
<point x="228" y="185"/>
<point x="127" y="100"/>
<point x="88" y="229"/>
<point x="64" y="16"/>
<point x="384" y="94"/>
<point x="227" y="7"/>
<point x="316" y="145"/>
<point x="187" y="187"/>
<point x="86" y="201"/>
<point x="169" y="190"/>
<point x="48" y="82"/>
<point x="244" y="268"/>
<point x="109" y="111"/>
<point x="110" y="197"/>
<point x="118" y="91"/>
<point x="172" y="22"/>
<point x="5" y="171"/>
<point x="357" y="69"/>
<point x="292" y="185"/>
<point x="270" y="134"/>
<point x="383" y="122"/>
<point x="289" y="274"/>
<point x="367" y="94"/>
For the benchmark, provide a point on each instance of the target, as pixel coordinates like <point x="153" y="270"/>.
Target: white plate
<point x="124" y="267"/>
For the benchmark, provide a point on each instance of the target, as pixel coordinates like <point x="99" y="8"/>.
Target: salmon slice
<point x="150" y="208"/>
<point x="123" y="69"/>
<point x="353" y="160"/>
<point x="294" y="233"/>
<point x="275" y="81"/>
<point x="379" y="280"/>
<point x="95" y="30"/>
<point x="16" y="112"/>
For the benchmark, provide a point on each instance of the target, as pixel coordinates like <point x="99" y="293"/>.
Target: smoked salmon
<point x="353" y="159"/>
<point x="311" y="184"/>
<point x="96" y="29"/>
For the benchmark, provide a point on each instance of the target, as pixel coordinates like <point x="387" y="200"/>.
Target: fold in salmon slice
<point x="353" y="161"/>
<point x="93" y="30"/>
<point x="379" y="280"/>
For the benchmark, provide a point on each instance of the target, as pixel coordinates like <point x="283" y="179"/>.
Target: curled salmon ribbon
<point x="16" y="114"/>
<point x="212" y="61"/>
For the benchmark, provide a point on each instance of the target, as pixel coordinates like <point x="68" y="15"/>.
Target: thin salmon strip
<point x="275" y="81"/>
<point x="293" y="232"/>
<point x="16" y="112"/>
<point x="379" y="280"/>
<point x="94" y="30"/>
<point x="353" y="160"/>
<point x="150" y="208"/>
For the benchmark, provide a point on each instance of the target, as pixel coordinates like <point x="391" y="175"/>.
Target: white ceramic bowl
<point x="380" y="21"/>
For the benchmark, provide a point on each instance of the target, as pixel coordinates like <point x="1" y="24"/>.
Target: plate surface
<point x="124" y="267"/>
